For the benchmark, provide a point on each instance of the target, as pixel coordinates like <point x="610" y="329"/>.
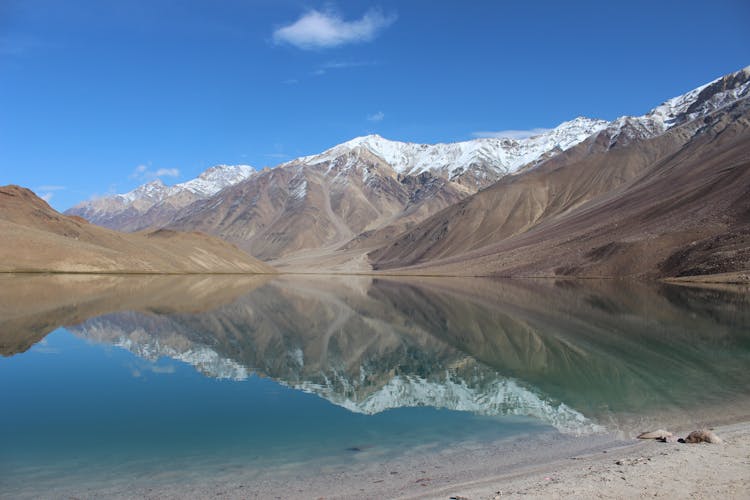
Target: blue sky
<point x="98" y="97"/>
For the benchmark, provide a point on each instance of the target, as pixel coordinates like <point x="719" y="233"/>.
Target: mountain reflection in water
<point x="581" y="356"/>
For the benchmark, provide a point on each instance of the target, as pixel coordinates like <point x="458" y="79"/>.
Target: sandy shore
<point x="643" y="469"/>
<point x="545" y="466"/>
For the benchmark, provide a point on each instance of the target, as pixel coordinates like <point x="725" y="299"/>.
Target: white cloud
<point x="322" y="30"/>
<point x="167" y="172"/>
<point x="376" y="117"/>
<point x="47" y="192"/>
<point x="50" y="188"/>
<point x="139" y="171"/>
<point x="143" y="173"/>
<point x="511" y="134"/>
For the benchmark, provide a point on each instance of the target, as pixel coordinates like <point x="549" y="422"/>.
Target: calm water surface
<point x="106" y="380"/>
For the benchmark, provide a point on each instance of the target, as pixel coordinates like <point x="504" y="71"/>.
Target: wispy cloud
<point x="50" y="188"/>
<point x="290" y="81"/>
<point x="144" y="173"/>
<point x="337" y="65"/>
<point x="278" y="152"/>
<point x="111" y="191"/>
<point x="323" y="30"/>
<point x="346" y="64"/>
<point x="511" y="134"/>
<point x="276" y="156"/>
<point x="376" y="117"/>
<point x="48" y="191"/>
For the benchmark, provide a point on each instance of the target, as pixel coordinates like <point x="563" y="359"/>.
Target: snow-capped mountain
<point x="364" y="191"/>
<point x="622" y="164"/>
<point x="493" y="158"/>
<point x="130" y="211"/>
<point x="477" y="162"/>
<point x="206" y="184"/>
<point x="681" y="109"/>
<point x="473" y="164"/>
<point x="368" y="190"/>
<point x="217" y="178"/>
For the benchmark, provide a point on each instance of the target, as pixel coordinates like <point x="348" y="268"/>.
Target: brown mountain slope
<point x="36" y="238"/>
<point x="297" y="209"/>
<point x="676" y="204"/>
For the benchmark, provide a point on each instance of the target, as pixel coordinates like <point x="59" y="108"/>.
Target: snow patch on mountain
<point x="208" y="183"/>
<point x="702" y="100"/>
<point x="500" y="155"/>
<point x="217" y="178"/>
<point x="300" y="190"/>
<point x="155" y="190"/>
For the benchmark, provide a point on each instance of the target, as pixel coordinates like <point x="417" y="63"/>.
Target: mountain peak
<point x="364" y="140"/>
<point x="155" y="189"/>
<point x="223" y="169"/>
<point x="216" y="178"/>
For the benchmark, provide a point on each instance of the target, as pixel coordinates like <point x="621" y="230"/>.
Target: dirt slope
<point x="36" y="238"/>
<point x="674" y="205"/>
<point x="287" y="212"/>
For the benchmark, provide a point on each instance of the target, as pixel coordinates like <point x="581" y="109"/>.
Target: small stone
<point x="703" y="436"/>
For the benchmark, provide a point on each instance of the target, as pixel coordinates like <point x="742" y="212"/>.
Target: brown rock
<point x="703" y="436"/>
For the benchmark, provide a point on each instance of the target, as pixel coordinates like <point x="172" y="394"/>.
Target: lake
<point x="111" y="383"/>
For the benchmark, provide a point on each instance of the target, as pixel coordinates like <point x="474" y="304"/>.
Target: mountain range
<point x="653" y="195"/>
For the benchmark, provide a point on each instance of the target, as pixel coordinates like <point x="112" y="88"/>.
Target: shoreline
<point x="741" y="278"/>
<point x="547" y="465"/>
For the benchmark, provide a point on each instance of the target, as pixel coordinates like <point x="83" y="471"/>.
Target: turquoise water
<point x="76" y="408"/>
<point x="293" y="376"/>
